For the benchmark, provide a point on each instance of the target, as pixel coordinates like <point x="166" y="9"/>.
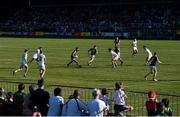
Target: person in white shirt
<point x="114" y="57"/>
<point x="105" y="98"/>
<point x="117" y="51"/>
<point x="75" y="107"/>
<point x="149" y="54"/>
<point x="23" y="63"/>
<point x="119" y="100"/>
<point x="35" y="55"/>
<point x="134" y="47"/>
<point x="96" y="107"/>
<point x="41" y="63"/>
<point x="56" y="103"/>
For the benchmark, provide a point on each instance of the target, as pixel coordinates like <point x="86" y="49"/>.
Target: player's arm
<point x="158" y="60"/>
<point x="45" y="60"/>
<point x="26" y="57"/>
<point x="89" y="51"/>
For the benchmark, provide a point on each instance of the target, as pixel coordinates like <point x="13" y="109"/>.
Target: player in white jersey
<point x="23" y="63"/>
<point x="35" y="55"/>
<point x="41" y="64"/>
<point x="149" y="54"/>
<point x="114" y="57"/>
<point x="117" y="51"/>
<point x="134" y="47"/>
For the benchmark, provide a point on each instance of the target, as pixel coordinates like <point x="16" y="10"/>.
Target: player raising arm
<point x="153" y="69"/>
<point x="149" y="54"/>
<point x="23" y="63"/>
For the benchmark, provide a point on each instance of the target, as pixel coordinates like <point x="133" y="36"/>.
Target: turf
<point x="100" y="74"/>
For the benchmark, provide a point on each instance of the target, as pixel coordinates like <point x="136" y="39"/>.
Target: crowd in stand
<point x="93" y="18"/>
<point x="38" y="102"/>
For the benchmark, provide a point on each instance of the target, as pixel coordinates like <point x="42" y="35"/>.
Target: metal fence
<point x="135" y="99"/>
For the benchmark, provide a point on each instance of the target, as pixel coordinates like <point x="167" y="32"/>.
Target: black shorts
<point x="120" y="107"/>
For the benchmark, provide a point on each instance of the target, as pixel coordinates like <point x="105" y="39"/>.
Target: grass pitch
<point x="100" y="74"/>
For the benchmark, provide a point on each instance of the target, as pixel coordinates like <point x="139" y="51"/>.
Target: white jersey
<point x="148" y="52"/>
<point x="24" y="59"/>
<point x="114" y="55"/>
<point x="118" y="97"/>
<point x="96" y="107"/>
<point x="41" y="60"/>
<point x="134" y="43"/>
<point x="36" y="54"/>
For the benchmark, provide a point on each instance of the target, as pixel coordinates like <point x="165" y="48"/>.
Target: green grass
<point x="100" y="74"/>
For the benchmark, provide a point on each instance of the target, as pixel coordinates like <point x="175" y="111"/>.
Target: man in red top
<point x="151" y="104"/>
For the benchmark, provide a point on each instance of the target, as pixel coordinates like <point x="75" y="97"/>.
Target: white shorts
<point x="153" y="68"/>
<point x="92" y="57"/>
<point x="134" y="49"/>
<point x="42" y="67"/>
<point x="116" y="58"/>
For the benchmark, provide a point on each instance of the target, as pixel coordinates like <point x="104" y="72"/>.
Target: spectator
<point x="10" y="103"/>
<point x="56" y="103"/>
<point x="105" y="98"/>
<point x="64" y="110"/>
<point x="167" y="109"/>
<point x="40" y="98"/>
<point x="18" y="100"/>
<point x="96" y="107"/>
<point x="152" y="104"/>
<point x="119" y="98"/>
<point x="75" y="107"/>
<point x="3" y="103"/>
<point x="27" y="109"/>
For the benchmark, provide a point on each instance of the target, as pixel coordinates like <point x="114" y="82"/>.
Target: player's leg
<point x="120" y="59"/>
<point x="17" y="70"/>
<point x="91" y="60"/>
<point x="151" y="71"/>
<point x="26" y="70"/>
<point x="75" y="60"/>
<point x="70" y="62"/>
<point x="113" y="63"/>
<point x="43" y="73"/>
<point x="154" y="74"/>
<point x="146" y="61"/>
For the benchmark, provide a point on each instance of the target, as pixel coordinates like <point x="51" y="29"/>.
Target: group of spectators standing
<point x="38" y="102"/>
<point x="109" y="18"/>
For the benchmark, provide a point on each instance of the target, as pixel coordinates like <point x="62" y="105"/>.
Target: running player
<point x="41" y="64"/>
<point x="114" y="57"/>
<point x="35" y="55"/>
<point x="149" y="54"/>
<point x="117" y="51"/>
<point x="92" y="54"/>
<point x="116" y="42"/>
<point x="23" y="63"/>
<point x="74" y="57"/>
<point x="134" y="47"/>
<point x="152" y="64"/>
